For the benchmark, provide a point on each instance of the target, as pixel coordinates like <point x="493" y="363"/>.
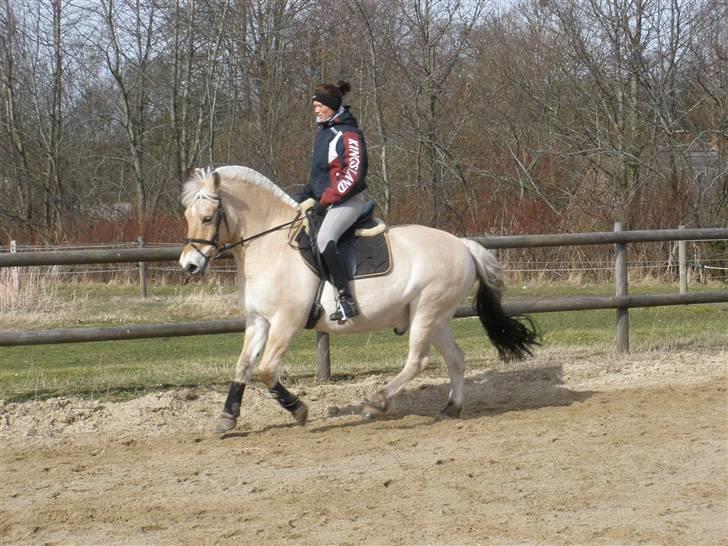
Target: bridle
<point x="219" y="219"/>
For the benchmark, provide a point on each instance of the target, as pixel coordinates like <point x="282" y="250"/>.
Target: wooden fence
<point x="621" y="301"/>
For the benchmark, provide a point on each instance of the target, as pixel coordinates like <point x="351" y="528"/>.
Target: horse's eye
<point x="207" y="219"/>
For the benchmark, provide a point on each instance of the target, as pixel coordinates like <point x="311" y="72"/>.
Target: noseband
<point x="215" y="241"/>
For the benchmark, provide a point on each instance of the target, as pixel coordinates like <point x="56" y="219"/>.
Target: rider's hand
<point x="307" y="204"/>
<point x="318" y="208"/>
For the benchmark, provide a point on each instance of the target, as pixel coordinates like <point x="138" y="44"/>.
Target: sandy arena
<point x="579" y="450"/>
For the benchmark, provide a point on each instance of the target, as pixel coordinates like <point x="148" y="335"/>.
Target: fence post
<point x="323" y="357"/>
<point x="620" y="280"/>
<point x="15" y="271"/>
<point x="682" y="247"/>
<point x="142" y="271"/>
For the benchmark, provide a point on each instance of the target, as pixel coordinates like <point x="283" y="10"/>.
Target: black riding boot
<point x="346" y="308"/>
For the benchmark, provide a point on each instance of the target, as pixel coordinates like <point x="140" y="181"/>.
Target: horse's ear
<point x="216" y="181"/>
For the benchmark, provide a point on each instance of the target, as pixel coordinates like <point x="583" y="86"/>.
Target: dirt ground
<point x="579" y="450"/>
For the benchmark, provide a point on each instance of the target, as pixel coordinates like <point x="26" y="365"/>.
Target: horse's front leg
<point x="256" y="334"/>
<point x="281" y="335"/>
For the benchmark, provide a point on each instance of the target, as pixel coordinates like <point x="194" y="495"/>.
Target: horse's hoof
<point x="301" y="414"/>
<point x="225" y="422"/>
<point x="375" y="408"/>
<point x="370" y="413"/>
<point x="451" y="410"/>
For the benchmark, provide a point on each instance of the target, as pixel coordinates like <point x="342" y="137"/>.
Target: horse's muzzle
<point x="193" y="263"/>
<point x="193" y="269"/>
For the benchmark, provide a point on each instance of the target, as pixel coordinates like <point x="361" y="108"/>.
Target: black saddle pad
<point x="365" y="256"/>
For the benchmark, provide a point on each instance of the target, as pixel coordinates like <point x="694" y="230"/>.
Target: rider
<point x="337" y="182"/>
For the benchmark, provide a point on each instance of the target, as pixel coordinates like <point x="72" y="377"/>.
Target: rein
<point x="215" y="241"/>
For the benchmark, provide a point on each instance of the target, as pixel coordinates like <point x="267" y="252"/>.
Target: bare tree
<point x="267" y="55"/>
<point x="704" y="114"/>
<point x="129" y="41"/>
<point x="369" y="17"/>
<point x="15" y="156"/>
<point x="434" y="39"/>
<point x="195" y="79"/>
<point x="33" y="88"/>
<point x="48" y="110"/>
<point x="557" y="114"/>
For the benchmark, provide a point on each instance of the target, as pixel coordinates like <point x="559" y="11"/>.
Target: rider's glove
<point x="307" y="204"/>
<point x="318" y="209"/>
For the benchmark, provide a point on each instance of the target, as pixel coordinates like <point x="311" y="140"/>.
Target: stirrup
<point x="345" y="309"/>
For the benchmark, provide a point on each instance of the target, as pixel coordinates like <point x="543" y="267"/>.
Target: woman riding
<point x="337" y="183"/>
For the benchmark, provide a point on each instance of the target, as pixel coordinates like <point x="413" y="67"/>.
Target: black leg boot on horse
<point x="334" y="261"/>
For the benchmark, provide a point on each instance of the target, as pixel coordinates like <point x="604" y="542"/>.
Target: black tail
<point x="513" y="336"/>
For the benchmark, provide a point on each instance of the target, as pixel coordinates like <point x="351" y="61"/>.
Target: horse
<point x="237" y="209"/>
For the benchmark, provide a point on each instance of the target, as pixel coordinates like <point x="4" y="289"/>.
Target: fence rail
<point x="622" y="302"/>
<point x="179" y="329"/>
<point x="75" y="257"/>
<point x="602" y="237"/>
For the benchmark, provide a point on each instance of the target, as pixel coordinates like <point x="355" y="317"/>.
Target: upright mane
<point x="201" y="183"/>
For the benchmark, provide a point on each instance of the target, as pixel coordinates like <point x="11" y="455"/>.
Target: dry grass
<point x="48" y="300"/>
<point x="28" y="293"/>
<point x="219" y="302"/>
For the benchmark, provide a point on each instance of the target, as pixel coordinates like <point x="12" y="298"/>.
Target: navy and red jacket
<point x="339" y="162"/>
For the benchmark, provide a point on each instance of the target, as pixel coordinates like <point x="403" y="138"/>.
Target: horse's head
<point x="254" y="206"/>
<point x="207" y="227"/>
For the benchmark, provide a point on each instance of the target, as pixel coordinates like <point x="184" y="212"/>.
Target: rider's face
<point x="322" y="111"/>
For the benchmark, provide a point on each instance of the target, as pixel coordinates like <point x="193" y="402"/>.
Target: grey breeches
<point x="339" y="218"/>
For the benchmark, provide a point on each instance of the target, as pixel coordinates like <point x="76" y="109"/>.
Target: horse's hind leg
<point x="445" y="343"/>
<point x="421" y="332"/>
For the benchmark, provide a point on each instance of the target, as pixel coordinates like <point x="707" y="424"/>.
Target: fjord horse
<point x="237" y="209"/>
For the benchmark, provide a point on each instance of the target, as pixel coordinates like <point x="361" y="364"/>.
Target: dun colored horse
<point x="236" y="208"/>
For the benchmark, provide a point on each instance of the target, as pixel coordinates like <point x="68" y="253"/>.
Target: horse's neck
<point x="269" y="262"/>
<point x="260" y="211"/>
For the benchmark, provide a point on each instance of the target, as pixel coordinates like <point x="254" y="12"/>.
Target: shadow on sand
<point x="492" y="392"/>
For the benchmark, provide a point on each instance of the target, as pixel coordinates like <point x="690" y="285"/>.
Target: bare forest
<point x="480" y="117"/>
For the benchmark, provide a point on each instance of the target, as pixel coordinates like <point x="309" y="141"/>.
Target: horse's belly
<point x="380" y="309"/>
<point x="430" y="269"/>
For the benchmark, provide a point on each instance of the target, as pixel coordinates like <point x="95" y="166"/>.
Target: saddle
<point x="365" y="247"/>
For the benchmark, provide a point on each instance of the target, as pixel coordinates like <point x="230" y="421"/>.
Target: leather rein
<point x="215" y="241"/>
